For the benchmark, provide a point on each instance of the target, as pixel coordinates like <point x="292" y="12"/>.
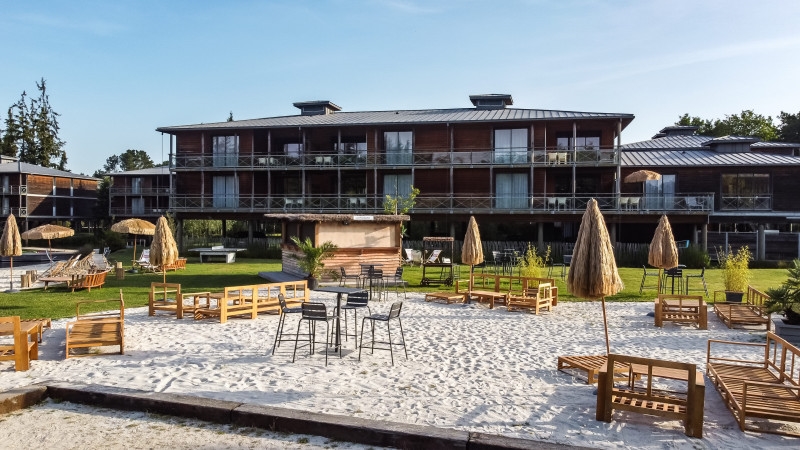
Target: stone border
<point x="341" y="428"/>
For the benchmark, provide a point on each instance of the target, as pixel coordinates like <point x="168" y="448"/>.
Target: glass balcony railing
<point x="746" y="203"/>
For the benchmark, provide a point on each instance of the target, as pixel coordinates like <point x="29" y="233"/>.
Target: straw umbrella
<point x="472" y="250"/>
<point x="663" y="252"/>
<point x="163" y="250"/>
<point x="134" y="226"/>
<point x="11" y="244"/>
<point x="48" y="232"/>
<point x="640" y="176"/>
<point x="593" y="271"/>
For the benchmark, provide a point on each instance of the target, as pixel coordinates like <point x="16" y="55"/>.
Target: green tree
<point x="789" y="129"/>
<point x="747" y="123"/>
<point x="100" y="209"/>
<point x="230" y="116"/>
<point x="129" y="160"/>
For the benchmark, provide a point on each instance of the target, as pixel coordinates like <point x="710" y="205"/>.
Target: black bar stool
<point x="394" y="314"/>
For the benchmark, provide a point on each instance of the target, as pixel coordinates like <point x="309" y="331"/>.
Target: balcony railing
<point x="18" y="212"/>
<point x="139" y="191"/>
<point x="476" y="157"/>
<point x="682" y="203"/>
<point x="14" y="190"/>
<point x="128" y="211"/>
<point x="751" y="203"/>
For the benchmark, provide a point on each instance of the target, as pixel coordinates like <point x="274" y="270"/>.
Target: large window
<point x="511" y="190"/>
<point x="225" y="150"/>
<point x="226" y="192"/>
<point x="399" y="145"/>
<point x="660" y="194"/>
<point x="745" y="191"/>
<point x="293" y="150"/>
<point x="580" y="143"/>
<point x="511" y="146"/>
<point x="137" y="206"/>
<point x="397" y="185"/>
<point x="136" y="185"/>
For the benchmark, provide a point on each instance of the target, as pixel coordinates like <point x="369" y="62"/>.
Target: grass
<point x="59" y="302"/>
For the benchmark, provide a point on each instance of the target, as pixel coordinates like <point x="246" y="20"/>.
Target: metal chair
<point x="645" y="274"/>
<point x="700" y="276"/>
<point x="345" y="277"/>
<point x="355" y="300"/>
<point x="397" y="281"/>
<point x="672" y="274"/>
<point x="394" y="314"/>
<point x="279" y="334"/>
<point x="313" y="313"/>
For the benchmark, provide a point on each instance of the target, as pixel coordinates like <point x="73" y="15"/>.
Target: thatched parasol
<point x="48" y="232"/>
<point x="663" y="252"/>
<point x="472" y="250"/>
<point x="11" y="244"/>
<point x="163" y="250"/>
<point x="134" y="226"/>
<point x="641" y="176"/>
<point x="593" y="271"/>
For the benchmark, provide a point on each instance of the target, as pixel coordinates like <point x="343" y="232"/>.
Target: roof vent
<point x="315" y="108"/>
<point x="731" y="144"/>
<point x="678" y="130"/>
<point x="491" y="101"/>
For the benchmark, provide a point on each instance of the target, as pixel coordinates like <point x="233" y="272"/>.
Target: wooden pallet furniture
<point x="23" y="345"/>
<point x="643" y="393"/>
<point x="38" y="327"/>
<point x="87" y="281"/>
<point x="169" y="297"/>
<point x="492" y="287"/>
<point x="750" y="312"/>
<point x="251" y="300"/>
<point x="447" y="297"/>
<point x="681" y="308"/>
<point x="179" y="264"/>
<point x="97" y="329"/>
<point x="761" y="388"/>
<point x="532" y="299"/>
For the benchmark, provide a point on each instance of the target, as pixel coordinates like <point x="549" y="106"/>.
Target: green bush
<point x="694" y="257"/>
<point x="532" y="265"/>
<point x="736" y="268"/>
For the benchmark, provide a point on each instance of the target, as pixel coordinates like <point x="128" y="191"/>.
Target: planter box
<point x="790" y="333"/>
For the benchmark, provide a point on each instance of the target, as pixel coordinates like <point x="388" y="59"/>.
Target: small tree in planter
<point x="311" y="262"/>
<point x="786" y="298"/>
<point x="736" y="272"/>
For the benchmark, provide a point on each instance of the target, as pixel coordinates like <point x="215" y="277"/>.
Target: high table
<point x="338" y="290"/>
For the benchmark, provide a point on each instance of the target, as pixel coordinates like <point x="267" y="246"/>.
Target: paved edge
<point x="284" y="420"/>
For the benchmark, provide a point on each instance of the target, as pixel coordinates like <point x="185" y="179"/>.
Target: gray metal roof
<point x="772" y="144"/>
<point x="160" y="170"/>
<point x="732" y="140"/>
<point x="21" y="167"/>
<point x="403" y="117"/>
<point x="686" y="158"/>
<point x="669" y="142"/>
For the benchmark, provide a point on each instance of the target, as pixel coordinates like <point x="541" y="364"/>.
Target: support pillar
<point x="250" y="226"/>
<point x="540" y="234"/>
<point x="694" y="234"/>
<point x="762" y="243"/>
<point x="612" y="233"/>
<point x="224" y="228"/>
<point x="704" y="237"/>
<point x="179" y="235"/>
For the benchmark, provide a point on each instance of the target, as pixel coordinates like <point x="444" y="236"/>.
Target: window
<point x="511" y="190"/>
<point x="136" y="185"/>
<point x="137" y="206"/>
<point x="351" y="148"/>
<point x="745" y="191"/>
<point x="398" y="146"/>
<point x="225" y="150"/>
<point x="293" y="150"/>
<point x="581" y="143"/>
<point x="397" y="185"/>
<point x="659" y="194"/>
<point x="511" y="146"/>
<point x="226" y="192"/>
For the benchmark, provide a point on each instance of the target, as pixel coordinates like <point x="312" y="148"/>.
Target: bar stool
<point x="355" y="300"/>
<point x="645" y="274"/>
<point x="313" y="313"/>
<point x="702" y="278"/>
<point x="394" y="314"/>
<point x="279" y="335"/>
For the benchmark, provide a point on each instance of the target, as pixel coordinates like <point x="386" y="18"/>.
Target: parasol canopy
<point x="11" y="244"/>
<point x="640" y="176"/>
<point x="163" y="250"/>
<point x="472" y="250"/>
<point x="663" y="251"/>
<point x="134" y="226"/>
<point x="593" y="271"/>
<point x="48" y="232"/>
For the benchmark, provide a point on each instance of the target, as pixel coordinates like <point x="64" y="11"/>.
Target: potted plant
<point x="311" y="261"/>
<point x="786" y="301"/>
<point x="736" y="272"/>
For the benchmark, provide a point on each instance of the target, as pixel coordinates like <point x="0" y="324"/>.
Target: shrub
<point x="694" y="257"/>
<point x="786" y="298"/>
<point x="736" y="268"/>
<point x="531" y="265"/>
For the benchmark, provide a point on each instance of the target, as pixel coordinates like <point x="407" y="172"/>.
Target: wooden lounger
<point x="97" y="329"/>
<point x="447" y="297"/>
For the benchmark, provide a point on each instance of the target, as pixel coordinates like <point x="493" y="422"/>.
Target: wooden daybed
<point x="681" y="308"/>
<point x="762" y="388"/>
<point x="491" y="288"/>
<point x="534" y="299"/>
<point x="749" y="312"/>
<point x="97" y="329"/>
<point x="251" y="300"/>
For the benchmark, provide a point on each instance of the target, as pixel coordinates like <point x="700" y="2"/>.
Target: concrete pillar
<point x="694" y="234"/>
<point x="704" y="237"/>
<point x="540" y="234"/>
<point x="612" y="233"/>
<point x="762" y="243"/>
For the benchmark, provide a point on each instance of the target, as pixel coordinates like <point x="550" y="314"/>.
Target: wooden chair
<point x="88" y="281"/>
<point x="686" y="405"/>
<point x="532" y="299"/>
<point x="97" y="329"/>
<point x="681" y="308"/>
<point x="23" y="349"/>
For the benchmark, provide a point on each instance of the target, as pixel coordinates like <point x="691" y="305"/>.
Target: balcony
<point x="117" y="191"/>
<point x="746" y="203"/>
<point x="18" y="212"/>
<point x="427" y="157"/>
<point x="14" y="190"/>
<point x="137" y="212"/>
<point x="691" y="203"/>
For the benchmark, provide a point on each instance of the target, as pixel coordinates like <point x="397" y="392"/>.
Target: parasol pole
<point x="605" y="325"/>
<point x="11" y="260"/>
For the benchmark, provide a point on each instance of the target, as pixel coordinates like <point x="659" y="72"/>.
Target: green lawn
<point x="59" y="302"/>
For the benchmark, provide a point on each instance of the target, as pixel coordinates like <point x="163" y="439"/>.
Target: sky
<point x="117" y="70"/>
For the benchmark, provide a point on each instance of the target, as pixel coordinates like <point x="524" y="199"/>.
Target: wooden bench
<point x="447" y="297"/>
<point x="251" y="300"/>
<point x="681" y="308"/>
<point x="97" y="329"/>
<point x="179" y="264"/>
<point x="24" y="346"/>
<point x="88" y="281"/>
<point x="501" y="286"/>
<point x="761" y="389"/>
<point x="532" y="299"/>
<point x="686" y="405"/>
<point x="750" y="312"/>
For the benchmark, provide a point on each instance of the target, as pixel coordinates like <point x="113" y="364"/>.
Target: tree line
<point x="748" y="123"/>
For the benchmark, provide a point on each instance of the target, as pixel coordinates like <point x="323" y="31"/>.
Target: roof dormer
<point x="491" y="101"/>
<point x="317" y="107"/>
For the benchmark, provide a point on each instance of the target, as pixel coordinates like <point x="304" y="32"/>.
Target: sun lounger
<point x="88" y="281"/>
<point x="749" y="312"/>
<point x="97" y="329"/>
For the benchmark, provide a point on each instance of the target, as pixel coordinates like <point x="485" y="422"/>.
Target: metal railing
<point x="128" y="211"/>
<point x="21" y="189"/>
<point x="139" y="191"/>
<point x="692" y="203"/>
<point x="382" y="158"/>
<point x="18" y="212"/>
<point x="751" y="203"/>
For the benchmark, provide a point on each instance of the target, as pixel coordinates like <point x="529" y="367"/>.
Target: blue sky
<point x="116" y="70"/>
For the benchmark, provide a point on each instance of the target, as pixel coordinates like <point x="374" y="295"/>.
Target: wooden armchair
<point x="22" y="350"/>
<point x="97" y="329"/>
<point x="681" y="308"/>
<point x="532" y="299"/>
<point x="658" y="400"/>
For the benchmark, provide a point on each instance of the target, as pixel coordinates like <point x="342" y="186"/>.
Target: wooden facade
<point x="140" y="193"/>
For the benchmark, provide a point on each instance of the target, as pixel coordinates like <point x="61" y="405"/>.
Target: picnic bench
<point x="217" y="253"/>
<point x="97" y="329"/>
<point x="681" y="308"/>
<point x="88" y="281"/>
<point x="653" y="398"/>
<point x="750" y="312"/>
<point x="24" y="346"/>
<point x="761" y="387"/>
<point x="251" y="300"/>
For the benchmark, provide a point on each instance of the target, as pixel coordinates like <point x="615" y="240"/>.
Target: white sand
<point x="468" y="368"/>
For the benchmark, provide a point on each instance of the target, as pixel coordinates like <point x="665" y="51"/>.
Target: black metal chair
<point x="701" y="277"/>
<point x="397" y="281"/>
<point x="314" y="313"/>
<point x="394" y="314"/>
<point x="345" y="277"/>
<point x="676" y="273"/>
<point x="645" y="274"/>
<point x="279" y="335"/>
<point x="375" y="282"/>
<point x="355" y="300"/>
